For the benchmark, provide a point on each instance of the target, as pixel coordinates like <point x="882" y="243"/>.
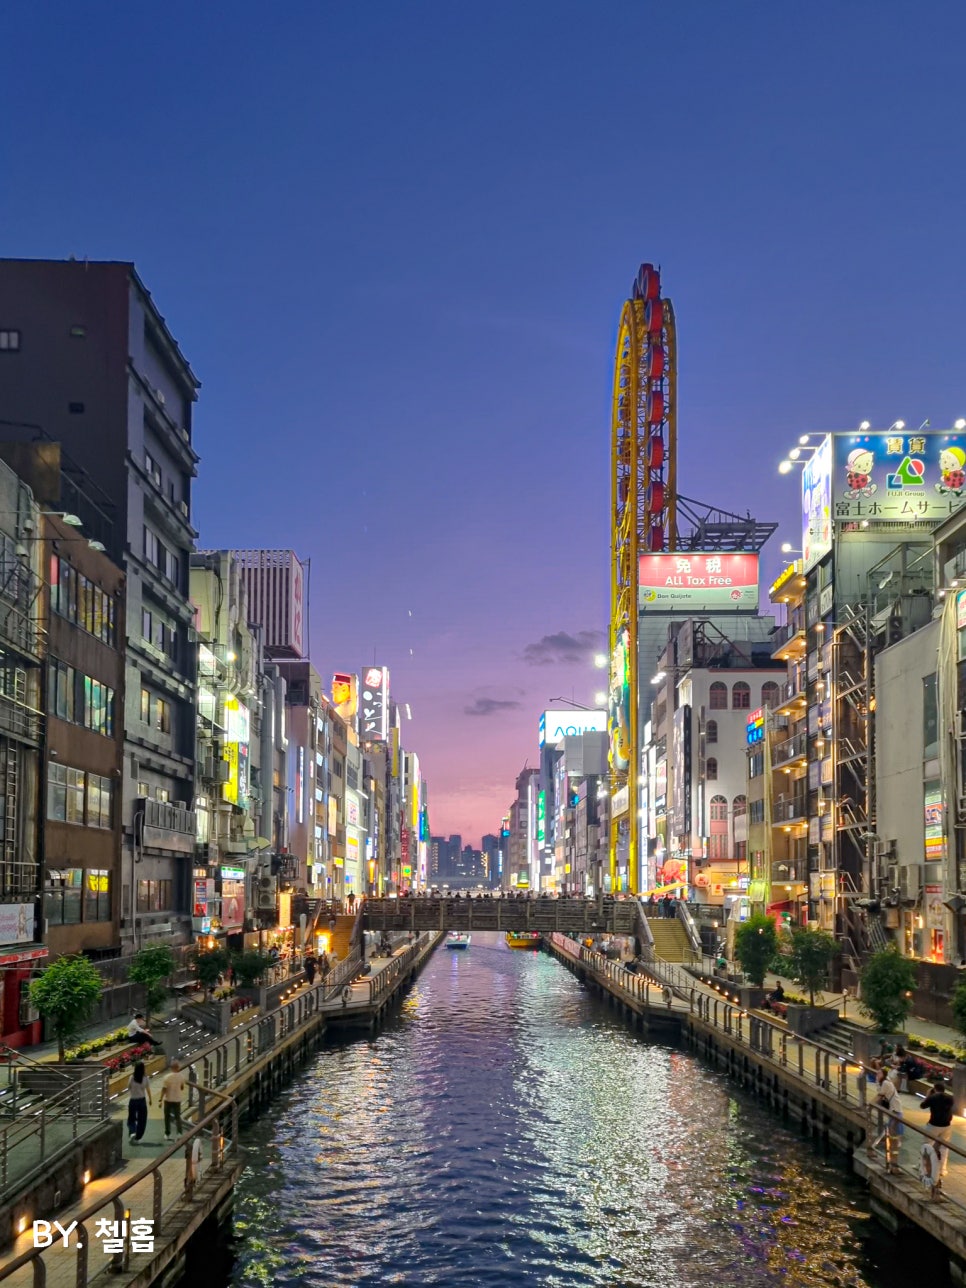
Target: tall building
<point x="277" y="584"/>
<point x="95" y="368"/>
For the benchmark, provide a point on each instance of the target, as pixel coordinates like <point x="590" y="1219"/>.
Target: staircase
<point x="670" y="939"/>
<point x="343" y="938"/>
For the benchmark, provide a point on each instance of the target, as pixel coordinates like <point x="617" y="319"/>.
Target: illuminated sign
<point x="374" y="703"/>
<point x="935" y="832"/>
<point x="233" y="874"/>
<point x="698" y="582"/>
<point x="755" y="728"/>
<point x="817" y="504"/>
<point x="898" y="477"/>
<point x="237" y="735"/>
<point x="681" y="777"/>
<point x="554" y="726"/>
<point x="345" y="696"/>
<point x="204" y="891"/>
<point x="961" y="610"/>
<point x="300" y="787"/>
<point x="541" y="817"/>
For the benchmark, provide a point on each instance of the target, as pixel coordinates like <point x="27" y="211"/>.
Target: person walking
<point x="351" y="901"/>
<point x="940" y="1126"/>
<point x="139" y="1097"/>
<point x="311" y="966"/>
<point x="172" y="1094"/>
<point x="890" y="1124"/>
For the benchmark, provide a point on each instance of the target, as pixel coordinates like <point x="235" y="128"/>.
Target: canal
<point x="506" y="1129"/>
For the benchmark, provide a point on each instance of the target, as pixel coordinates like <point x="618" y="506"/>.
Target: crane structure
<point x="643" y="520"/>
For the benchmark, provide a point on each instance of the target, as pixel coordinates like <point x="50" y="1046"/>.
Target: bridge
<point x="600" y="916"/>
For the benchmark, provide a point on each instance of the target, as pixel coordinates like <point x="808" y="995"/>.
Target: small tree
<point x="210" y="963"/>
<point x="756" y="943"/>
<point x="250" y="967"/>
<point x="66" y="994"/>
<point x="152" y="967"/>
<point x="886" y="982"/>
<point x="806" y="958"/>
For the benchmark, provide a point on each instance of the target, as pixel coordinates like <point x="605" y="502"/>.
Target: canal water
<point x="505" y="1128"/>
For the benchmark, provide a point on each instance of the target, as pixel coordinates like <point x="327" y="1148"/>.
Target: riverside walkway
<point x="161" y="1182"/>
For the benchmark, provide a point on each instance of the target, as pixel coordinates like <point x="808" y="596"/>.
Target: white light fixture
<point x="898" y="424"/>
<point x="72" y="520"/>
<point x="97" y="545"/>
<point x="794" y="454"/>
<point x="960" y="424"/>
<point x="865" y="425"/>
<point x="600" y="660"/>
<point x="600" y="698"/>
<point x="785" y="467"/>
<point x="803" y="440"/>
<point x="656" y="679"/>
<point x="789" y="549"/>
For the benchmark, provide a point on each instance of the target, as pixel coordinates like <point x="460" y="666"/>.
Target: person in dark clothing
<point x="940" y="1126"/>
<point x="311" y="966"/>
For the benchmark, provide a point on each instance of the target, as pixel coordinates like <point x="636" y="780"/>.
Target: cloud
<point x="564" y="648"/>
<point x="490" y="706"/>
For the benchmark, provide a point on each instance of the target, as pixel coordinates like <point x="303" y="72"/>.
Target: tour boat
<point x="458" y="939"/>
<point x="523" y="939"/>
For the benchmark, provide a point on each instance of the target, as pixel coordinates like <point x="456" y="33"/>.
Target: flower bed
<point x="942" y="1049"/>
<point x="94" y="1047"/>
<point x="239" y="1004"/>
<point x="117" y="1063"/>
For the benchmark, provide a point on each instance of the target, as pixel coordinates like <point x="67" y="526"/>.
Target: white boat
<point x="458" y="939"/>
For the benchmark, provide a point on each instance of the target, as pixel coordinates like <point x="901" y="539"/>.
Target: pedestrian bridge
<point x="605" y="915"/>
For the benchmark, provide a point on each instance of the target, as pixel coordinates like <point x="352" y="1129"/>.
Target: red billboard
<point x="698" y="582"/>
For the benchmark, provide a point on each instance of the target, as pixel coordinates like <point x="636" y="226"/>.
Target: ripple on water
<point x="505" y="1129"/>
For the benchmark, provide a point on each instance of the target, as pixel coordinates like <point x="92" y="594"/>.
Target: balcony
<point x="789" y="749"/>
<point x="790" y="809"/>
<point x="169" y="827"/>
<point x="788" y="641"/>
<point x="789" y="872"/>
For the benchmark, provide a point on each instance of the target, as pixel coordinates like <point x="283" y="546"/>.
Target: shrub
<point x="150" y="967"/>
<point x="886" y="982"/>
<point x="66" y="994"/>
<point x="210" y="964"/>
<point x="251" y="967"/>
<point x="756" y="944"/>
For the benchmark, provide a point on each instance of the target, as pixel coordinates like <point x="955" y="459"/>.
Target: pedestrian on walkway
<point x="139" y="1097"/>
<point x="940" y="1126"/>
<point x="172" y="1094"/>
<point x="930" y="1170"/>
<point x="311" y="966"/>
<point x="351" y="901"/>
<point x="668" y="997"/>
<point x="890" y="1124"/>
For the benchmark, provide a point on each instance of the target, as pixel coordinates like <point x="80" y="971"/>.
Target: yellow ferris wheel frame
<point x="643" y="519"/>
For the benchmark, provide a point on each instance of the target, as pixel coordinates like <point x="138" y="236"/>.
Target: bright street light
<point x="656" y="679"/>
<point x="600" y="660"/>
<point x="600" y="698"/>
<point x="788" y="548"/>
<point x="960" y="424"/>
<point x="785" y="467"/>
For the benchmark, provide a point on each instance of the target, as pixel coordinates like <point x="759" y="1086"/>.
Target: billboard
<point x="817" y="504"/>
<point x="681" y="774"/>
<point x="554" y="726"/>
<point x="698" y="582"/>
<point x="898" y="477"/>
<point x="345" y="696"/>
<point x="235" y="752"/>
<point x="374" y="703"/>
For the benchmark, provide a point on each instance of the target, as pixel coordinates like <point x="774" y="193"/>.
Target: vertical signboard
<point x="345" y="696"/>
<point x="298" y="607"/>
<point x="681" y="774"/>
<point x="817" y="504"/>
<point x="374" y="704"/>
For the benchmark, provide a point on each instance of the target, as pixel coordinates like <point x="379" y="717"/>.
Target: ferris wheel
<point x="643" y="520"/>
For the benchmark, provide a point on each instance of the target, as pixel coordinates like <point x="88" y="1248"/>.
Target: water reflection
<point x="506" y="1129"/>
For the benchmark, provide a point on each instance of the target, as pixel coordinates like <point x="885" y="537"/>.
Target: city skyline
<point x="413" y="309"/>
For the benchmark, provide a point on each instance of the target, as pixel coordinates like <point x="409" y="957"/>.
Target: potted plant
<point x="806" y="958"/>
<point x="756" y="943"/>
<point x="886" y="982"/>
<point x="152" y="967"/>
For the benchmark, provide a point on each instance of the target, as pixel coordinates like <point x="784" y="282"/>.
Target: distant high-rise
<point x="277" y="585"/>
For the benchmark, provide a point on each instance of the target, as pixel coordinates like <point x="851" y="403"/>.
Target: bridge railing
<point x="634" y="985"/>
<point x="382" y="984"/>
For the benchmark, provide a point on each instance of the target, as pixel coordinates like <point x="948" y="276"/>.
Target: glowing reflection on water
<point x="507" y="1129"/>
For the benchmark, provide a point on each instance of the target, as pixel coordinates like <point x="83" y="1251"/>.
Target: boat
<point x="458" y="939"/>
<point x="523" y="939"/>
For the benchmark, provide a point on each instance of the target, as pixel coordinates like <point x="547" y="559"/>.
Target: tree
<point x="756" y="943"/>
<point x="210" y="963"/>
<point x="806" y="958"/>
<point x="886" y="982"/>
<point x="250" y="967"/>
<point x="150" y="967"/>
<point x="66" y="994"/>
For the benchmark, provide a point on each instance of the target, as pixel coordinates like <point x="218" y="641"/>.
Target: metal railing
<point x="41" y="1131"/>
<point x="388" y="977"/>
<point x="637" y="986"/>
<point x="163" y="1194"/>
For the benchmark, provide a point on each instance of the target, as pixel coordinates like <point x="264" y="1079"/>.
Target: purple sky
<point x="394" y="240"/>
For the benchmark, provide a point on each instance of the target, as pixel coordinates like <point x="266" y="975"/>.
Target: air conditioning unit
<point x="222" y="771"/>
<point x="265" y="894"/>
<point x="910" y="881"/>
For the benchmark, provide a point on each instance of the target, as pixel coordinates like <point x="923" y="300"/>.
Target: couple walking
<point x="139" y="1098"/>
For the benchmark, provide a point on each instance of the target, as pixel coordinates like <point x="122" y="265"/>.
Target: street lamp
<point x="600" y="659"/>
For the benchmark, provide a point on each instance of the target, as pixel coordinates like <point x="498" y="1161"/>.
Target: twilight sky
<point x="393" y="240"/>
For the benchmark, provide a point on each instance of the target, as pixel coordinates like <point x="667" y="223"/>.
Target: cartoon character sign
<point x="952" y="466"/>
<point x="858" y="476"/>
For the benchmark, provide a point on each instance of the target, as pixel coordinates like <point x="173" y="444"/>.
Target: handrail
<point x="66" y="1104"/>
<point x="221" y="1152"/>
<point x="684" y="916"/>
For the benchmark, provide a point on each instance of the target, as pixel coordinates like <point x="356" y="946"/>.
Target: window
<point x="99" y="793"/>
<point x="151" y="547"/>
<point x="718" y="696"/>
<point x="756" y="764"/>
<point x="162" y="715"/>
<point x="162" y="794"/>
<point x="718" y="847"/>
<point x="62" y="897"/>
<point x="174" y="568"/>
<point x="770" y="694"/>
<point x="756" y="812"/>
<point x="711" y="731"/>
<point x="61" y="690"/>
<point x="78" y="698"/>
<point x="741" y="851"/>
<point x="711" y="769"/>
<point x="154" y="896"/>
<point x="81" y="601"/>
<point x="97" y="894"/>
<point x="9" y="341"/>
<point x="739" y="806"/>
<point x="57" y="793"/>
<point x="75" y="796"/>
<point x="146" y="706"/>
<point x="718" y="809"/>
<point x="153" y="469"/>
<point x="930" y="717"/>
<point x="146" y="626"/>
<point x="740" y="696"/>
